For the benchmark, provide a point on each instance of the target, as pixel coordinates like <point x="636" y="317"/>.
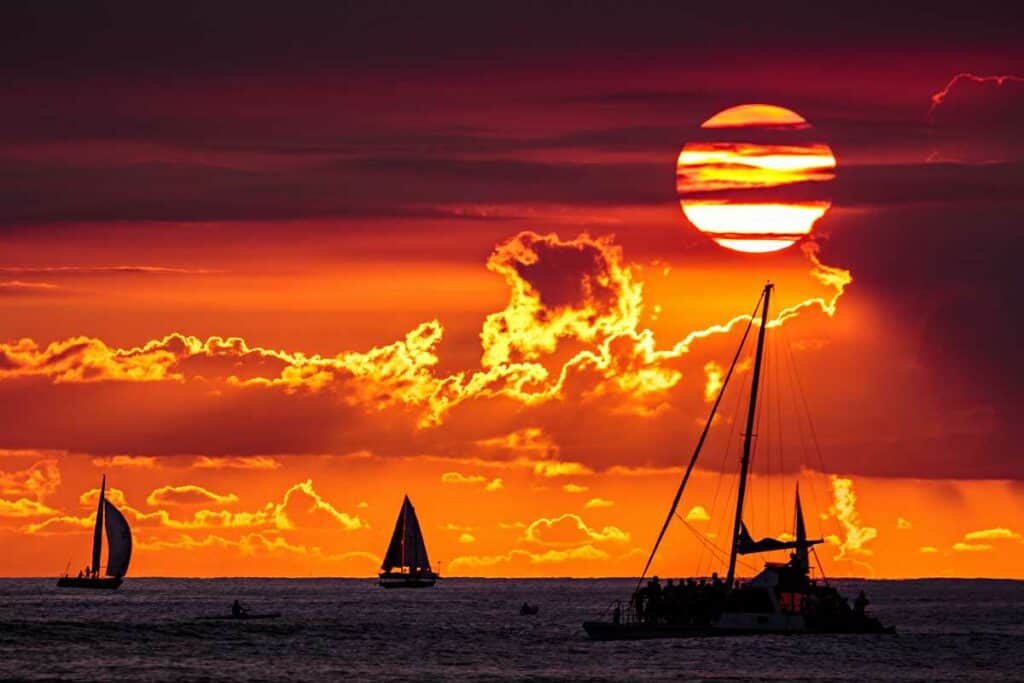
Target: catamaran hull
<point x="407" y="581"/>
<point x="109" y="583"/>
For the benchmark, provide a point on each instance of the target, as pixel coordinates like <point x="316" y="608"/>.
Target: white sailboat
<point x="119" y="548"/>
<point x="406" y="564"/>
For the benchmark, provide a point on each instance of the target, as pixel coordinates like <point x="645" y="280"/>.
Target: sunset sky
<point x="271" y="270"/>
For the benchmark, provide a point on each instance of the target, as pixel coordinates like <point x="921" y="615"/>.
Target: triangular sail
<point x="119" y="541"/>
<point x="802" y="544"/>
<point x="97" y="534"/>
<point x="395" y="554"/>
<point x="415" y="548"/>
<point x="407" y="548"/>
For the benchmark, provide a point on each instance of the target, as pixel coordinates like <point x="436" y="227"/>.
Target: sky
<point x="271" y="269"/>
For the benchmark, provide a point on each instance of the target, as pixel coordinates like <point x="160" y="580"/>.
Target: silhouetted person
<point x="653" y="599"/>
<point x="237" y="610"/>
<point x="616" y="615"/>
<point x="860" y="604"/>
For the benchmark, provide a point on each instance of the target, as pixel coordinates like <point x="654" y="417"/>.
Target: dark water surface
<point x="471" y="629"/>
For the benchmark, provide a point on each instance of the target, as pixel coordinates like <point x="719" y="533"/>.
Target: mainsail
<point x="407" y="548"/>
<point x="97" y="534"/>
<point x="119" y="541"/>
<point x="745" y="544"/>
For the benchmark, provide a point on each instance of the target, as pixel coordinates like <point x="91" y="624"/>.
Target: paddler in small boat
<point x="237" y="611"/>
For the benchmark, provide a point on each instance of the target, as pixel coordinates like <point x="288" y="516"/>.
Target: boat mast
<point x="748" y="437"/>
<point x="97" y="535"/>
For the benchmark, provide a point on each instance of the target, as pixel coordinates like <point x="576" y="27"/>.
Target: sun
<point x="755" y="179"/>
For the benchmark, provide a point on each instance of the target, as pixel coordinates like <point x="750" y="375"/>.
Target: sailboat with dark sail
<point x="406" y="564"/>
<point x="782" y="598"/>
<point x="119" y="554"/>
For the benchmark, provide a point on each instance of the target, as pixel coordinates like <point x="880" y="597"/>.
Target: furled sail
<point x="407" y="548"/>
<point x="97" y="534"/>
<point x="119" y="541"/>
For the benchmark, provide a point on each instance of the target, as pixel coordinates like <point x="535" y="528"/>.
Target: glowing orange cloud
<point x="939" y="97"/>
<point x="575" y="293"/>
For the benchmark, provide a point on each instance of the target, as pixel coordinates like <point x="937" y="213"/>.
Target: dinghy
<point x="241" y="617"/>
<point x="406" y="564"/>
<point x="119" y="553"/>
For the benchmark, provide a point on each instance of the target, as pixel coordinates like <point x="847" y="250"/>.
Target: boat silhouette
<point x="406" y="564"/>
<point x="119" y="553"/>
<point x="781" y="598"/>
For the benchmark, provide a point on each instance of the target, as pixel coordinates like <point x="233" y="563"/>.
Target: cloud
<point x="598" y="503"/>
<point x="996" y="534"/>
<point x="584" y="552"/>
<point x="460" y="479"/>
<point x="466" y="537"/>
<point x="569" y="529"/>
<point x="255" y="462"/>
<point x="495" y="485"/>
<point x="302" y="500"/>
<point x="188" y="494"/>
<point x="715" y="375"/>
<point x="574" y="488"/>
<point x="971" y="547"/>
<point x="39" y="480"/>
<point x="844" y="509"/>
<point x="22" y="288"/>
<point x="105" y="270"/>
<point x="300" y="509"/>
<point x="928" y="549"/>
<point x="977" y="119"/>
<point x="574" y="289"/>
<point x="902" y="523"/>
<point x="697" y="514"/>
<point x="139" y="461"/>
<point x="571" y="338"/>
<point x="91" y="497"/>
<point x="23" y="507"/>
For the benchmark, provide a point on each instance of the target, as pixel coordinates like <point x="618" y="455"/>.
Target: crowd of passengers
<point x="697" y="601"/>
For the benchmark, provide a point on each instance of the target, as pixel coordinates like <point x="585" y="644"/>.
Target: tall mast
<point x="97" y="535"/>
<point x="748" y="436"/>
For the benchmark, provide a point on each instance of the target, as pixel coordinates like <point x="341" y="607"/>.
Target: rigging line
<point x="755" y="447"/>
<point x="700" y="443"/>
<point x="729" y="442"/>
<point x="780" y="436"/>
<point x="709" y="544"/>
<point x="801" y="434"/>
<point x="810" y="425"/>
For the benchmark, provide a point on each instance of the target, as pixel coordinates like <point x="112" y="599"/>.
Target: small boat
<point x="119" y="554"/>
<point x="528" y="610"/>
<point x="241" y="617"/>
<point x="782" y="598"/>
<point x="406" y="564"/>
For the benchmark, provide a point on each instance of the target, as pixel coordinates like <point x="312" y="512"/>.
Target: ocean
<point x="470" y="629"/>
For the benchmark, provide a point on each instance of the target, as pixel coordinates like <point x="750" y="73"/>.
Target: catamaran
<point x="782" y="598"/>
<point x="119" y="554"/>
<point x="406" y="564"/>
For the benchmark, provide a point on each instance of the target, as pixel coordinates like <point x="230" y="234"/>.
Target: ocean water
<point x="469" y="629"/>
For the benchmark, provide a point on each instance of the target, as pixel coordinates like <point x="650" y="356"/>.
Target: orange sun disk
<point x="712" y="178"/>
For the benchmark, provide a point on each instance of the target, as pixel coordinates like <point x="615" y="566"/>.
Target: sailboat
<point x="406" y="564"/>
<point x="782" y="598"/>
<point x="119" y="543"/>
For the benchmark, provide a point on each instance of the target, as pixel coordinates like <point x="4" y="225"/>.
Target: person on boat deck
<point x="616" y="615"/>
<point x="237" y="610"/>
<point x="860" y="604"/>
<point x="653" y="598"/>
